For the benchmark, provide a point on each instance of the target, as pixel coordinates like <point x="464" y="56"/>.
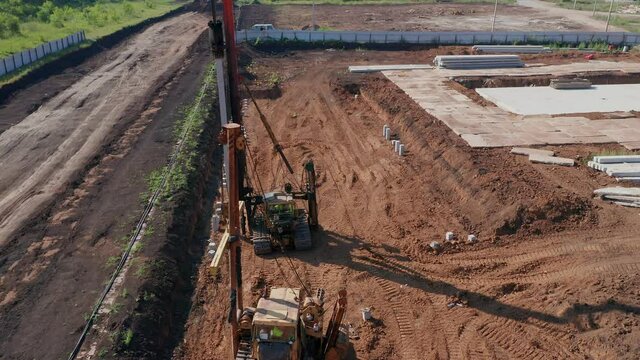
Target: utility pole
<point x="606" y="29"/>
<point x="313" y="16"/>
<point x="574" y="3"/>
<point x="595" y="3"/>
<point x="495" y="12"/>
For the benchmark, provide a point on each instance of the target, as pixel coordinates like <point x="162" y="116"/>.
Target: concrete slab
<point x="618" y="191"/>
<point x="492" y="126"/>
<point x="631" y="145"/>
<point x="529" y="151"/>
<point x="551" y="160"/>
<point x="547" y="100"/>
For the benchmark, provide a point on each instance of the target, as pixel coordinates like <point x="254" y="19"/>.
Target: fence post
<point x="4" y="64"/>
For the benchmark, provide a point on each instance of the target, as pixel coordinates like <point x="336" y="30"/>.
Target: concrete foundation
<point x="544" y="100"/>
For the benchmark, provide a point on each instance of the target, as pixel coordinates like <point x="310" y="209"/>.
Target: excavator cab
<point x="288" y="325"/>
<point x="279" y="222"/>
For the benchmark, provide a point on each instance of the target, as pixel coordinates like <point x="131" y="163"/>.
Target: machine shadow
<point x="382" y="260"/>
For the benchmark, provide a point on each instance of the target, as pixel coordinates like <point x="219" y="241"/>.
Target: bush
<point x="9" y="25"/>
<point x="45" y="11"/>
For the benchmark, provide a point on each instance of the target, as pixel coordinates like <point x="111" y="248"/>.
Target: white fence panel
<point x="26" y="57"/>
<point x="17" y="60"/>
<point x="444" y="38"/>
<point x="39" y="51"/>
<point x="26" y="60"/>
<point x="9" y="64"/>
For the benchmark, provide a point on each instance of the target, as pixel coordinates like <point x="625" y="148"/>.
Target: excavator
<point x="275" y="219"/>
<point x="287" y="323"/>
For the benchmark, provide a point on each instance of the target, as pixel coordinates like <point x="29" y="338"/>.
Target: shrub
<point x="9" y="25"/>
<point x="45" y="11"/>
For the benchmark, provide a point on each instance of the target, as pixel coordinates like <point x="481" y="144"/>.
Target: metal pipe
<point x="233" y="138"/>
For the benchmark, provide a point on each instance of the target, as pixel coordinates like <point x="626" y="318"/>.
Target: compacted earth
<point x="411" y="17"/>
<point x="553" y="275"/>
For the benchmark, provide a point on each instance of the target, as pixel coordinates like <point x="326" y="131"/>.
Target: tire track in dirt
<point x="77" y="126"/>
<point x="397" y="304"/>
<point x="601" y="245"/>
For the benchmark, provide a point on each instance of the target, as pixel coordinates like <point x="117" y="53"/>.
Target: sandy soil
<point x="74" y="169"/>
<point x="414" y="17"/>
<point x="554" y="275"/>
<point x="580" y="16"/>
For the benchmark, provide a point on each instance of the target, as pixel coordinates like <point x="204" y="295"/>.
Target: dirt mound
<point x="548" y="214"/>
<point x="464" y="178"/>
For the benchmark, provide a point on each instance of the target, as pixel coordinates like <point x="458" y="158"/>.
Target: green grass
<point x="127" y="336"/>
<point x="627" y="23"/>
<point x="587" y="5"/>
<point x="97" y="21"/>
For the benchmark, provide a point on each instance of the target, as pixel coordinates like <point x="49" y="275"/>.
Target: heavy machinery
<point x="287" y="325"/>
<point x="277" y="221"/>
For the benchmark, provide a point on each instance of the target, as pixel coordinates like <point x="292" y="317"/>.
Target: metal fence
<point x="444" y="37"/>
<point x="16" y="61"/>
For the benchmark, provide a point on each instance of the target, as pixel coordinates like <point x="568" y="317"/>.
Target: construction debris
<point x="625" y="167"/>
<point x="551" y="160"/>
<point x="621" y="196"/>
<point x="435" y="246"/>
<point x="477" y="61"/>
<point x="529" y="151"/>
<point x="511" y="49"/>
<point x="449" y="236"/>
<point x="568" y="84"/>
<point x="366" y="314"/>
<point x="376" y="68"/>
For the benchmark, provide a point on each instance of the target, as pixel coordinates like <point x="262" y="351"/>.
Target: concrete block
<point x="627" y="204"/>
<point x="612" y="159"/>
<point x="618" y="191"/>
<point x="529" y="151"/>
<point x="551" y="160"/>
<point x="624" y="170"/>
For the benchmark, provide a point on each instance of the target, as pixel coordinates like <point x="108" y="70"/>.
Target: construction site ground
<point x="553" y="276"/>
<point x="417" y="17"/>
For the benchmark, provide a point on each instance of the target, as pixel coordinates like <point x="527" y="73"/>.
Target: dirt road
<point x="413" y="17"/>
<point x="46" y="150"/>
<point x="555" y="273"/>
<point x="580" y="16"/>
<point x="74" y="169"/>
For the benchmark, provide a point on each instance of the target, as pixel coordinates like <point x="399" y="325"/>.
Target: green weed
<point x="127" y="337"/>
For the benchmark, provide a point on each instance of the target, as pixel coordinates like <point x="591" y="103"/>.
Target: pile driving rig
<point x="287" y="324"/>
